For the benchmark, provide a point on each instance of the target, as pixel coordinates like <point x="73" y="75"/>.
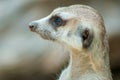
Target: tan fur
<point x="85" y="63"/>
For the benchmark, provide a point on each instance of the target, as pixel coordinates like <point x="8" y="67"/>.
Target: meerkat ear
<point x="87" y="37"/>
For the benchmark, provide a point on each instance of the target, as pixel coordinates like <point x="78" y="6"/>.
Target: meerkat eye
<point x="56" y="21"/>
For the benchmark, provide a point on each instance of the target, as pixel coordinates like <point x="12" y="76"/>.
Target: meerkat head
<point x="75" y="26"/>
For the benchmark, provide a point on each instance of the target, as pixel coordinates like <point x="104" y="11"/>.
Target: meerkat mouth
<point x="45" y="35"/>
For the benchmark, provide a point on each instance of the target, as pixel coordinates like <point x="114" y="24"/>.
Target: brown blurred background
<point x="25" y="56"/>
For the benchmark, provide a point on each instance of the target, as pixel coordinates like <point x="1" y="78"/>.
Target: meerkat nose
<point x="33" y="26"/>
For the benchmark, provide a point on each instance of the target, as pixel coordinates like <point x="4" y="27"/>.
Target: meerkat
<point x="80" y="29"/>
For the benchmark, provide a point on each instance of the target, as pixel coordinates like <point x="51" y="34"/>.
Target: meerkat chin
<point x="82" y="30"/>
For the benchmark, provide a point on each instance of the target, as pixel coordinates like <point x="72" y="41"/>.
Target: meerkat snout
<point x="33" y="26"/>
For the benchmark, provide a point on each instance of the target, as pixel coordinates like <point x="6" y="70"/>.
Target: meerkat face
<point x="70" y="26"/>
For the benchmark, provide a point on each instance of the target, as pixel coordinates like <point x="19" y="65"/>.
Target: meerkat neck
<point x="79" y="62"/>
<point x="86" y="64"/>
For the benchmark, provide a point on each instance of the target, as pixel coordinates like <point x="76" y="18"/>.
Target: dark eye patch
<point x="56" y="21"/>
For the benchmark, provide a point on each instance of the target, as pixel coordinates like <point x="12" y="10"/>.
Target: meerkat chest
<point x="88" y="76"/>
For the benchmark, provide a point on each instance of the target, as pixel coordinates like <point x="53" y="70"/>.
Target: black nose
<point x="33" y="26"/>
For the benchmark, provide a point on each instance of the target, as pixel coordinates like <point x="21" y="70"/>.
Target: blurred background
<point x="25" y="56"/>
